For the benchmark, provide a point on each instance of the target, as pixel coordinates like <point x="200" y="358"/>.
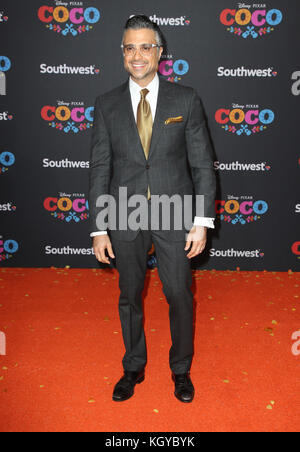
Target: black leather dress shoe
<point x="124" y="389"/>
<point x="184" y="389"/>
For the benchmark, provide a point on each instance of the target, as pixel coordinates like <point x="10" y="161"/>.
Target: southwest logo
<point x="5" y="116"/>
<point x="8" y="207"/>
<point x="68" y="208"/>
<point x="64" y="69"/>
<point x="68" y="117"/>
<point x="245" y="72"/>
<point x="7" y="159"/>
<point x="247" y="22"/>
<point x="241" y="209"/>
<point x="3" y="17"/>
<point x="238" y="166"/>
<point x="66" y="20"/>
<point x="244" y="119"/>
<point x="236" y="253"/>
<point x="65" y="163"/>
<point x="171" y="21"/>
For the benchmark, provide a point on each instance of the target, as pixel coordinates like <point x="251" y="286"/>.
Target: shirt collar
<point x="152" y="87"/>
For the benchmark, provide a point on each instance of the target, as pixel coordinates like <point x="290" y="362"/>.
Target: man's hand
<point x="100" y="244"/>
<point x="197" y="236"/>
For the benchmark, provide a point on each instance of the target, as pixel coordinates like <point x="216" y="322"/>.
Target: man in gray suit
<point x="150" y="139"/>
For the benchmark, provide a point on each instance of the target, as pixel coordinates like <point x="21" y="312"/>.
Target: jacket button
<point x="147" y="166"/>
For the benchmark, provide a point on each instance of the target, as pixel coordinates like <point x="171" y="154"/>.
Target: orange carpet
<point x="64" y="351"/>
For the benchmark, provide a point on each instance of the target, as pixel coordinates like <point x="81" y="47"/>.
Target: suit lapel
<point x="128" y="120"/>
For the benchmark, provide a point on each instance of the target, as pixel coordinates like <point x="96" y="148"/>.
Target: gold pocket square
<point x="171" y="120"/>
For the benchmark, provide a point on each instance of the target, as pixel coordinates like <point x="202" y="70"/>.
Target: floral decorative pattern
<point x="71" y="126"/>
<point x="239" y="219"/>
<point x="250" y="31"/>
<point x="244" y="129"/>
<point x="69" y="29"/>
<point x="70" y="216"/>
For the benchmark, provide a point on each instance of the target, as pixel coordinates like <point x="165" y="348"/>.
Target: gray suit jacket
<point x="180" y="158"/>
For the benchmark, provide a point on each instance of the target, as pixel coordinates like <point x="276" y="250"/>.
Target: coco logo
<point x="296" y="249"/>
<point x="241" y="210"/>
<point x="244" y="119"/>
<point x="66" y="20"/>
<point x="68" y="116"/>
<point x="5" y="65"/>
<point x="7" y="159"/>
<point x="246" y="22"/>
<point x="68" y="208"/>
<point x="8" y="248"/>
<point x="173" y="69"/>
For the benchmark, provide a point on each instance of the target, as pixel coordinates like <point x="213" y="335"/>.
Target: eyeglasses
<point x="144" y="49"/>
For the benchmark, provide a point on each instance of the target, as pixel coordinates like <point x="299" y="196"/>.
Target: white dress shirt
<point x="135" y="93"/>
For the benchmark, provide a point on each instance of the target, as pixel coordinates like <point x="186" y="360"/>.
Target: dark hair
<point x="140" y="21"/>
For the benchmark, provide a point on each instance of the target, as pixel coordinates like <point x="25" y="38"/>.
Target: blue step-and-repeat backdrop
<point x="57" y="56"/>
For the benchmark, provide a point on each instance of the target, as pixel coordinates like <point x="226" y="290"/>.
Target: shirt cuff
<point x="94" y="234"/>
<point x="204" y="221"/>
<point x="198" y="221"/>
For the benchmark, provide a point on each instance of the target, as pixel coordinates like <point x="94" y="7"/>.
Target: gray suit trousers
<point x="174" y="270"/>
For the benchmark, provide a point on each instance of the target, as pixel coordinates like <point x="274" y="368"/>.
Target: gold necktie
<point x="145" y="125"/>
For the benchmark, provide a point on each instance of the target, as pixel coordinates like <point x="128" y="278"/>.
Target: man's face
<point x="142" y="68"/>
